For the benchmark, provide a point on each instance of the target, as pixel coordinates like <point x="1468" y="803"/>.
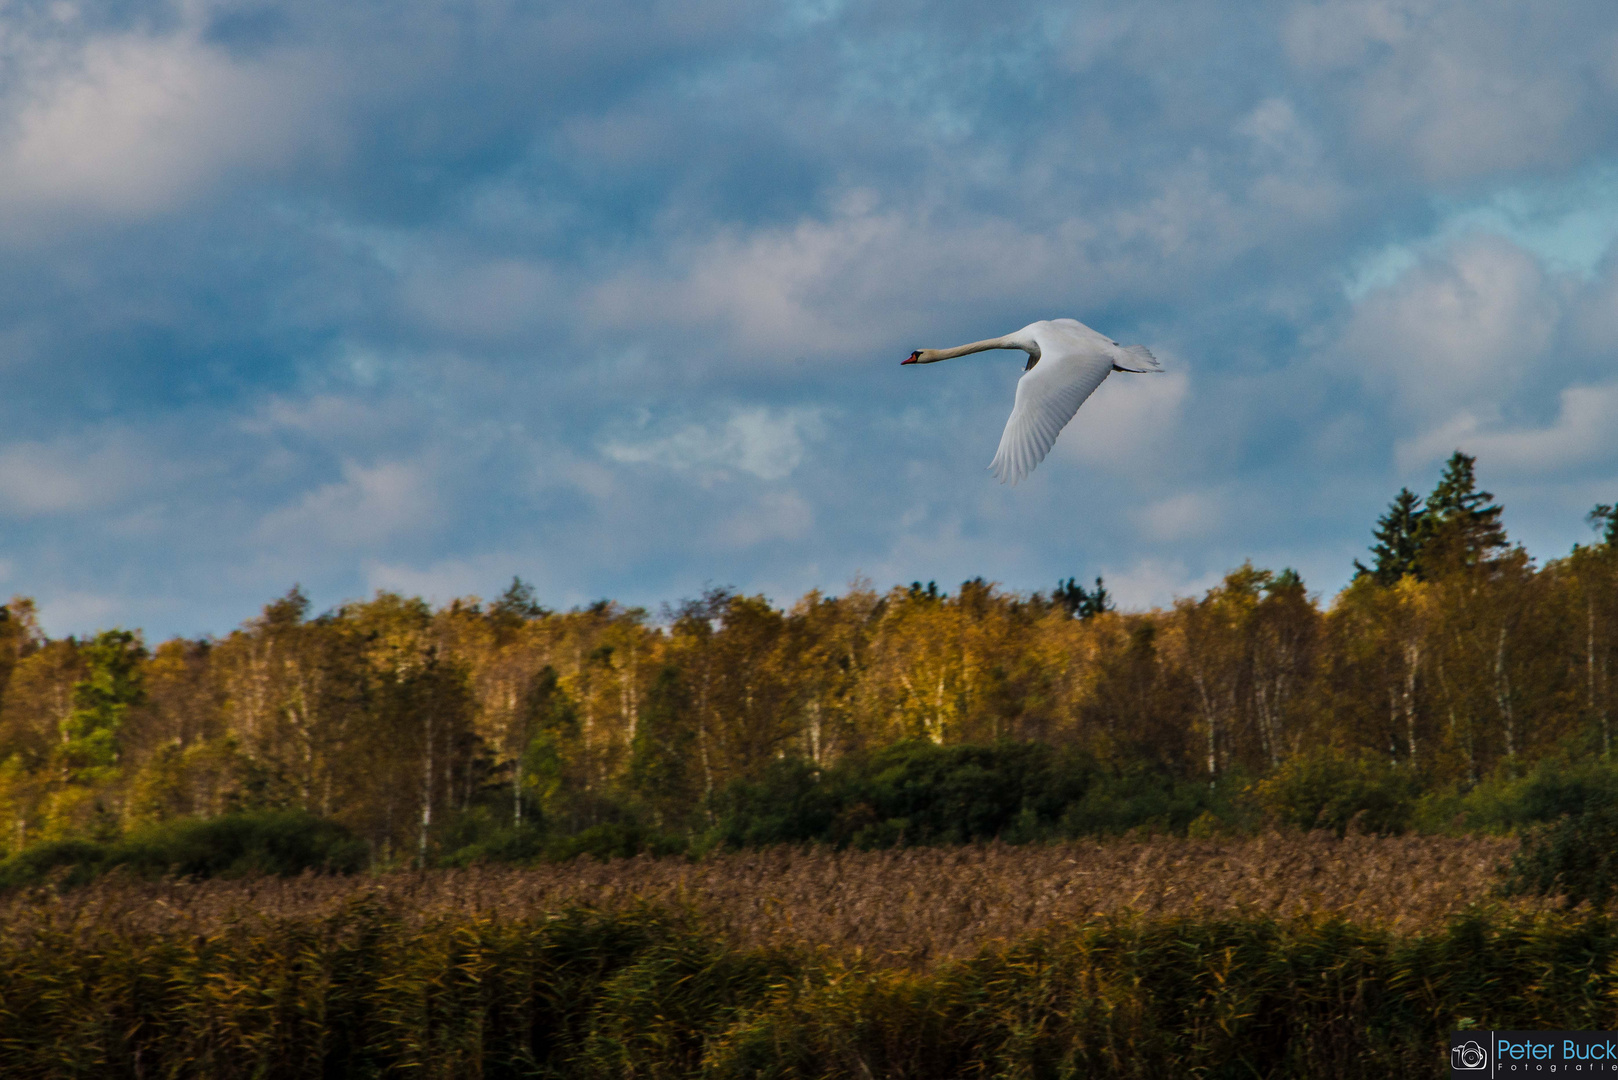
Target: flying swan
<point x="1066" y="362"/>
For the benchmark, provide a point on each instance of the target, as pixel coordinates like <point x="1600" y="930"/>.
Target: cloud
<point x="64" y="478"/>
<point x="438" y="583"/>
<point x="421" y="295"/>
<point x="775" y="294"/>
<point x="777" y="515"/>
<point x="82" y="611"/>
<point x="765" y="443"/>
<point x="1465" y="326"/>
<point x="370" y="504"/>
<point x="123" y="125"/>
<point x="1152" y="582"/>
<point x="1130" y="424"/>
<point x="1461" y="88"/>
<point x="1190" y="514"/>
<point x="496" y="300"/>
<point x="1584" y="431"/>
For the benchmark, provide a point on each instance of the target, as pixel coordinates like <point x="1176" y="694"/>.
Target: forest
<point x="1451" y="668"/>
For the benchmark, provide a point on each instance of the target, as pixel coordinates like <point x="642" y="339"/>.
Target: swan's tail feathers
<point x="1137" y="358"/>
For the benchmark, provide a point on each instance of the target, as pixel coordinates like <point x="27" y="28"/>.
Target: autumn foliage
<point x="502" y="730"/>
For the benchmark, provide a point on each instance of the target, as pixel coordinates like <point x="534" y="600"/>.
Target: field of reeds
<point x="1279" y="956"/>
<point x="906" y="907"/>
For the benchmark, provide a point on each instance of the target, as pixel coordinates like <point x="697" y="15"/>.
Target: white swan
<point x="1066" y="362"/>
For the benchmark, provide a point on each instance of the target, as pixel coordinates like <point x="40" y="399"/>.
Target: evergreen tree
<point x="1604" y="519"/>
<point x="290" y="610"/>
<point x="919" y="593"/>
<point x="1080" y="602"/>
<point x="1462" y="525"/>
<point x="517" y="603"/>
<point x="1398" y="540"/>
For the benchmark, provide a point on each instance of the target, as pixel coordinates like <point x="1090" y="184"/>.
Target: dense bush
<point x="922" y="793"/>
<point x="370" y="991"/>
<point x="232" y="845"/>
<point x="1575" y="858"/>
<point x="1555" y="787"/>
<point x="1327" y="789"/>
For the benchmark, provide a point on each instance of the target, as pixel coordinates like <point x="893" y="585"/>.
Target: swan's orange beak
<point x="912" y="359"/>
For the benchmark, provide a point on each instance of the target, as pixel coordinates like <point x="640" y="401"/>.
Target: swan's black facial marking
<point x="913" y="359"/>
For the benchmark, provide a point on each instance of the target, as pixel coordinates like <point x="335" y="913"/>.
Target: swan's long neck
<point x="932" y="356"/>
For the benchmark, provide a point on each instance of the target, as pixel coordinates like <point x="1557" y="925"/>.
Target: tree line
<point x="1449" y="660"/>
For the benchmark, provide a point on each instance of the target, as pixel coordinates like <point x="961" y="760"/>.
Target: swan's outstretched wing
<point x="1048" y="395"/>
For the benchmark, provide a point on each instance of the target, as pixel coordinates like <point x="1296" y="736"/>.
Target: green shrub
<point x="73" y="862"/>
<point x="282" y="842"/>
<point x="1576" y="858"/>
<point x="1554" y="788"/>
<point x="922" y="793"/>
<point x="908" y="793"/>
<point x="1147" y="800"/>
<point x="613" y="839"/>
<point x="1329" y="789"/>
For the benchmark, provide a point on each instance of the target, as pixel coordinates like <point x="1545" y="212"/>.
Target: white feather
<point x="1067" y="361"/>
<point x="1073" y="361"/>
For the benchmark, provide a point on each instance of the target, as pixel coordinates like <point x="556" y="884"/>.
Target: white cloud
<point x="762" y="442"/>
<point x="1155" y="582"/>
<point x="369" y="504"/>
<point x="1184" y="516"/>
<point x="1459" y="88"/>
<point x="1585" y="431"/>
<point x="127" y="125"/>
<point x="40" y="478"/>
<point x="438" y="583"/>
<point x="777" y="515"/>
<point x="78" y="611"/>
<point x="1130" y="424"/>
<point x="319" y="414"/>
<point x="1464" y="327"/>
<point x="1292" y="181"/>
<point x="777" y="293"/>
<point x="484" y="300"/>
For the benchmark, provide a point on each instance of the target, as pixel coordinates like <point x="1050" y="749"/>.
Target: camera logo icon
<point x="1468" y="1057"/>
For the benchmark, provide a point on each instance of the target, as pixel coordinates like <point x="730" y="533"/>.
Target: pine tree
<point x="517" y="603"/>
<point x="1462" y="525"/>
<point x="1604" y="519"/>
<point x="1080" y="602"/>
<point x="1398" y="540"/>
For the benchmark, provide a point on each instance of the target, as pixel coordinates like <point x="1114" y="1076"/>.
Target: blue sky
<point x="422" y="295"/>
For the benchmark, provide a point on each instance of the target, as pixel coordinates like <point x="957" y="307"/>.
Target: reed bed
<point x="908" y="908"/>
<point x="1277" y="957"/>
<point x="371" y="990"/>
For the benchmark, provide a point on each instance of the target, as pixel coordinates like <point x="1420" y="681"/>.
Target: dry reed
<point x="905" y="907"/>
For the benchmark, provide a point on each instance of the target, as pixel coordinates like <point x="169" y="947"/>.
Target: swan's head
<point x="914" y="358"/>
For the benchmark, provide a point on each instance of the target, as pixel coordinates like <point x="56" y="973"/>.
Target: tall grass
<point x="1287" y="955"/>
<point x="910" y="907"/>
<point x="372" y="988"/>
